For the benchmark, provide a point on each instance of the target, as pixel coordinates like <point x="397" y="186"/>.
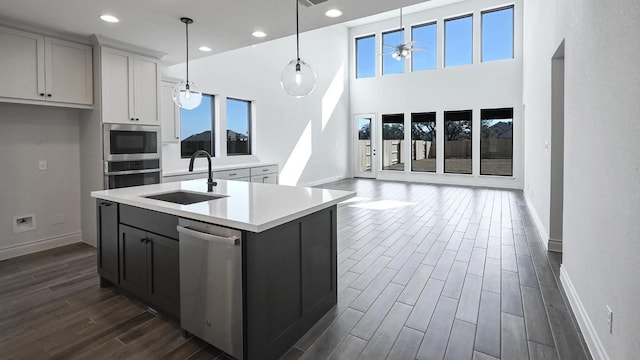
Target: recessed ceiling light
<point x="109" y="18"/>
<point x="259" y="34"/>
<point x="333" y="13"/>
<point x="204" y="48"/>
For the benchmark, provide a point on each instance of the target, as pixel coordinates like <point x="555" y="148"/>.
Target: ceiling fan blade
<point x="389" y="46"/>
<point x="418" y="49"/>
<point x="410" y="43"/>
<point x="389" y="53"/>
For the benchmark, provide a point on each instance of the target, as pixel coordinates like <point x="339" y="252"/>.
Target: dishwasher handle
<point x="231" y="241"/>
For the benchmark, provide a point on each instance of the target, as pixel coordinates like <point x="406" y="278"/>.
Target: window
<point x="458" y="41"/>
<point x="424" y="37"/>
<point x="392" y="142"/>
<point x="457" y="142"/>
<point x="496" y="142"/>
<point x="497" y="34"/>
<point x="366" y="57"/>
<point x="364" y="144"/>
<point x="423" y="142"/>
<point x="196" y="128"/>
<point x="238" y="127"/>
<point x="390" y="40"/>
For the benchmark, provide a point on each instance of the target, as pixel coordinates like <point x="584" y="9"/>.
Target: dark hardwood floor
<point x="425" y="271"/>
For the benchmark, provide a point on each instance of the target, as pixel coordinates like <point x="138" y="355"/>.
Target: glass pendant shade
<point x="298" y="79"/>
<point x="186" y="95"/>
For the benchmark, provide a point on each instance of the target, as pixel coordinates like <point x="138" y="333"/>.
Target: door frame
<point x="375" y="166"/>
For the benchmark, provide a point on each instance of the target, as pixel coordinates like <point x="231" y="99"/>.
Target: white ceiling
<point x="222" y="25"/>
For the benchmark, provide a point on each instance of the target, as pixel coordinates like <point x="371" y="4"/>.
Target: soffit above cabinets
<point x="222" y="25"/>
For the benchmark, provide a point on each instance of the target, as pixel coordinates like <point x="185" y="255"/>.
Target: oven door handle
<point x="131" y="172"/>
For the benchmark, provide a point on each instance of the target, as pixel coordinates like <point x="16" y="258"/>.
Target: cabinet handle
<point x="133" y="119"/>
<point x="105" y="204"/>
<point x="142" y="240"/>
<point x="233" y="174"/>
<point x="263" y="170"/>
<point x="41" y="94"/>
<point x="48" y="95"/>
<point x="231" y="241"/>
<point x="137" y="119"/>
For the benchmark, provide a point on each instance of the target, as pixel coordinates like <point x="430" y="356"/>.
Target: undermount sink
<point x="184" y="198"/>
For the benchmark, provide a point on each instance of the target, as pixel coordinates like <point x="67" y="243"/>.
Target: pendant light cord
<point x="297" y="32"/>
<point x="187" y="33"/>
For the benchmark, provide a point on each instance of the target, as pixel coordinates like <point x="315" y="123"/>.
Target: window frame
<point x="355" y="46"/>
<point x="445" y="141"/>
<point x="444" y="42"/>
<point x="401" y="147"/>
<point x="482" y="118"/>
<point x="413" y="120"/>
<point x="513" y="30"/>
<point x="382" y="47"/>
<point x="428" y="23"/>
<point x="212" y="150"/>
<point x="249" y="126"/>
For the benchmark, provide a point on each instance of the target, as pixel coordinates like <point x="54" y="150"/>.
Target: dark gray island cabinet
<point x="289" y="271"/>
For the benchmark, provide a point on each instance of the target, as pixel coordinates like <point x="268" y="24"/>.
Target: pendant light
<point x="186" y="94"/>
<point x="298" y="79"/>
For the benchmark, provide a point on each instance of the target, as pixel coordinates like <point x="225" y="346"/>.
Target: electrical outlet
<point x="610" y="319"/>
<point x="42" y="165"/>
<point x="24" y="223"/>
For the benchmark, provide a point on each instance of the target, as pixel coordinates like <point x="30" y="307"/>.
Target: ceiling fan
<point x="402" y="51"/>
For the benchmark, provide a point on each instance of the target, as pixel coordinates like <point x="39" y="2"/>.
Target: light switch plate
<point x="42" y="165"/>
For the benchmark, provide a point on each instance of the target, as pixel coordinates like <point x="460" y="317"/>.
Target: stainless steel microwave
<point x="131" y="142"/>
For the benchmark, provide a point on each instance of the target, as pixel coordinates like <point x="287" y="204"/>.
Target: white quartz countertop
<point x="248" y="206"/>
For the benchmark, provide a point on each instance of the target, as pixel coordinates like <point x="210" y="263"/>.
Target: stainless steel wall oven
<point x="131" y="155"/>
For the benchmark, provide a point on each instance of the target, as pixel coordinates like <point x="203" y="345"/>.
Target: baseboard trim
<point x="39" y="245"/>
<point x="586" y="326"/>
<point x="555" y="245"/>
<point x="542" y="232"/>
<point x="321" y="181"/>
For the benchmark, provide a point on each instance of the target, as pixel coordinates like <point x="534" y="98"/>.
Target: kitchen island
<point x="253" y="286"/>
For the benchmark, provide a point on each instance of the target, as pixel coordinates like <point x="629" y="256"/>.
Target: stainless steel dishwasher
<point x="211" y="284"/>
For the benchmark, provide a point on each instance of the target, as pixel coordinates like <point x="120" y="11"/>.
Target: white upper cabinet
<point x="37" y="69"/>
<point x="169" y="113"/>
<point x="130" y="87"/>
<point x="68" y="72"/>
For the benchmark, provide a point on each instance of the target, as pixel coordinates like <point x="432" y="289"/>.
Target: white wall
<point x="470" y="87"/>
<point x="30" y="133"/>
<point x="307" y="137"/>
<point x="601" y="245"/>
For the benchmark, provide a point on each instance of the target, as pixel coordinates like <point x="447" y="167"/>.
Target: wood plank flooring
<point x="425" y="272"/>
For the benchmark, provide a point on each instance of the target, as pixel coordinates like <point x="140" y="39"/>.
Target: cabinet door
<point x="21" y="65"/>
<point x="69" y="72"/>
<point x="164" y="274"/>
<point x="169" y="114"/>
<point x="145" y="87"/>
<point x="133" y="261"/>
<point x="108" y="240"/>
<point x="117" y="82"/>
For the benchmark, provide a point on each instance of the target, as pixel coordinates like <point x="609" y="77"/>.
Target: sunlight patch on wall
<point x="332" y="96"/>
<point x="297" y="161"/>
<point x="383" y="205"/>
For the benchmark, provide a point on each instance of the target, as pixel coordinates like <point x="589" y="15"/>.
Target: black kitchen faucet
<point x="210" y="182"/>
